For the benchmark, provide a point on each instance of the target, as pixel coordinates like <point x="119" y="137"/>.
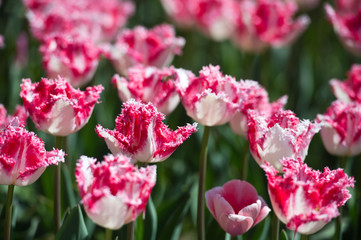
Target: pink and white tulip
<point x="74" y="59"/>
<point x="263" y="23"/>
<point x="215" y="17"/>
<point x="281" y="135"/>
<point x="210" y="99"/>
<point x="114" y="192"/>
<point x="236" y="206"/>
<point x="181" y="11"/>
<point x="23" y="157"/>
<point x="154" y="47"/>
<point x="350" y="89"/>
<point x="56" y="107"/>
<point x="253" y="97"/>
<point x="100" y="21"/>
<point x="341" y="129"/>
<point x="150" y="84"/>
<point x="347" y="25"/>
<point x="19" y="113"/>
<point x="140" y="133"/>
<point x="305" y="199"/>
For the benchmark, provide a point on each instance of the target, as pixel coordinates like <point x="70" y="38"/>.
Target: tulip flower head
<point x="56" y="107"/>
<point x="350" y="89"/>
<point x="263" y="23"/>
<point x="210" y="99"/>
<point x="114" y="192"/>
<point x="341" y="130"/>
<point x="305" y="199"/>
<point x="236" y="206"/>
<point x="347" y="25"/>
<point x="281" y="135"/>
<point x="20" y="114"/>
<point x="74" y="59"/>
<point x="154" y="47"/>
<point x="215" y="17"/>
<point x="85" y="18"/>
<point x="150" y="84"/>
<point x="23" y="157"/>
<point x="181" y="11"/>
<point x="140" y="133"/>
<point x="255" y="97"/>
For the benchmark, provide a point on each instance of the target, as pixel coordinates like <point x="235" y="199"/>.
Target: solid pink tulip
<point x="236" y="206"/>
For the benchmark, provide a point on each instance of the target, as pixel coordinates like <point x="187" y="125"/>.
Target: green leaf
<point x="73" y="227"/>
<point x="172" y="218"/>
<point x="68" y="186"/>
<point x="151" y="220"/>
<point x="283" y="235"/>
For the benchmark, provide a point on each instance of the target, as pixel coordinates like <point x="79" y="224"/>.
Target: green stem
<point x="8" y="210"/>
<point x="304" y="237"/>
<point x="59" y="144"/>
<point x="130" y="231"/>
<point x="201" y="184"/>
<point x="275" y="227"/>
<point x="108" y="234"/>
<point x="244" y="160"/>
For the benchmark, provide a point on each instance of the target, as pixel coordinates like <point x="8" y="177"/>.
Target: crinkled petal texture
<point x="253" y="97"/>
<point x="264" y="23"/>
<point x="236" y="206"/>
<point x="100" y="20"/>
<point x="281" y="135"/>
<point x="210" y="99"/>
<point x="306" y="199"/>
<point x="19" y="113"/>
<point x="114" y="192"/>
<point x="23" y="157"/>
<point x="73" y="58"/>
<point x="341" y="130"/>
<point x="56" y="107"/>
<point x="154" y="47"/>
<point x="151" y="84"/>
<point x="347" y="25"/>
<point x="350" y="89"/>
<point x="140" y="133"/>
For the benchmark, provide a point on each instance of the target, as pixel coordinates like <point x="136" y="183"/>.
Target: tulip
<point x="181" y="11"/>
<point x="350" y="89"/>
<point x="281" y="135"/>
<point x="20" y="114"/>
<point x="100" y="21"/>
<point x="215" y="17"/>
<point x="150" y="84"/>
<point x="56" y="107"/>
<point x="263" y="23"/>
<point x="236" y="206"/>
<point x="341" y="129"/>
<point x="210" y="99"/>
<point x="347" y="25"/>
<point x="74" y="59"/>
<point x="140" y="133"/>
<point x="114" y="192"/>
<point x="305" y="199"/>
<point x="23" y="156"/>
<point x="253" y="97"/>
<point x="154" y="47"/>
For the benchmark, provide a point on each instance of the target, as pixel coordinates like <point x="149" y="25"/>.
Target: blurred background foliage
<point x="302" y="71"/>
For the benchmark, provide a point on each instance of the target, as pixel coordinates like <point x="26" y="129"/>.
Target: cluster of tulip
<point x="73" y="37"/>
